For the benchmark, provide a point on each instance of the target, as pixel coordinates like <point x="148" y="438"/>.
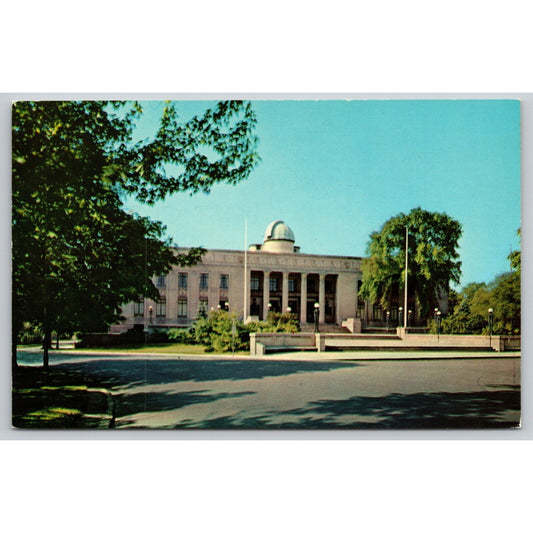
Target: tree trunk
<point x="46" y="346"/>
<point x="14" y="363"/>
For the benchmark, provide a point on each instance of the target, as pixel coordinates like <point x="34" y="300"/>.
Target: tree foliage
<point x="502" y="295"/>
<point x="77" y="254"/>
<point x="433" y="260"/>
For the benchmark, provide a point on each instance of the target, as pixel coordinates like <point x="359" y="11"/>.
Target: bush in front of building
<point x="276" y="323"/>
<point x="221" y="331"/>
<point x="31" y="333"/>
<point x="181" y="336"/>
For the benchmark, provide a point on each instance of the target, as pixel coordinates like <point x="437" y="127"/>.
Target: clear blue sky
<point x="335" y="171"/>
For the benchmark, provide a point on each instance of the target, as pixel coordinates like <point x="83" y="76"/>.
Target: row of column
<point x="285" y="295"/>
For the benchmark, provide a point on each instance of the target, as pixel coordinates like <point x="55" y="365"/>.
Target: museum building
<point x="276" y="277"/>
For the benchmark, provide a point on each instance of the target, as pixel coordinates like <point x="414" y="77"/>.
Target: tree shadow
<point x="115" y="373"/>
<point x="154" y="402"/>
<point x="443" y="410"/>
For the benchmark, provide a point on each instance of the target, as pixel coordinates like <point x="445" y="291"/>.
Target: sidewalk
<point x="358" y="355"/>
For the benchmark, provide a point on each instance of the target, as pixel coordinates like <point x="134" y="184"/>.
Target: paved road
<point x="197" y="392"/>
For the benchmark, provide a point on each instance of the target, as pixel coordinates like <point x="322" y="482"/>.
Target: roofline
<point x="290" y="254"/>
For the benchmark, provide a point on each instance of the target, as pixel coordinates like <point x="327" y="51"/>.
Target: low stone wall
<point x="352" y="324"/>
<point x="260" y="343"/>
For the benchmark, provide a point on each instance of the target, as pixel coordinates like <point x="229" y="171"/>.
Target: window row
<point x="183" y="281"/>
<point x="161" y="307"/>
<point x="273" y="285"/>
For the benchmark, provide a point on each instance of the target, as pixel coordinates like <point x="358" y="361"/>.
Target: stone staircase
<point x="325" y="328"/>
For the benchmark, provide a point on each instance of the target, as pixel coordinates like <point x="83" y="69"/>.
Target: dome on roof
<point x="278" y="231"/>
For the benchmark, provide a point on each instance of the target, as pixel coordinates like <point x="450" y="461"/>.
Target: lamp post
<point x="150" y="313"/>
<point x="269" y="307"/>
<point x="226" y="306"/>
<point x="388" y="316"/>
<point x="491" y="323"/>
<point x="316" y="311"/>
<point x="409" y="317"/>
<point x="400" y="316"/>
<point x="439" y="317"/>
<point x="289" y="310"/>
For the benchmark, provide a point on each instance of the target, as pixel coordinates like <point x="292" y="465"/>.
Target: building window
<point x="254" y="284"/>
<point x="330" y="287"/>
<point x="292" y="285"/>
<point x="273" y="284"/>
<point x="202" y="307"/>
<point x="204" y="281"/>
<point x="394" y="313"/>
<point x="138" y="308"/>
<point x="182" y="308"/>
<point x="161" y="282"/>
<point x="161" y="308"/>
<point x="183" y="280"/>
<point x="377" y="312"/>
<point x="224" y="281"/>
<point x="360" y="311"/>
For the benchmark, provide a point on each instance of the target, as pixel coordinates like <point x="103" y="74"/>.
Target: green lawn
<point x="174" y="348"/>
<point x="58" y="399"/>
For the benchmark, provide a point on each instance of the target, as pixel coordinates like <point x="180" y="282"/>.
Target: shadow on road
<point x="156" y="402"/>
<point x="474" y="410"/>
<point x="114" y="373"/>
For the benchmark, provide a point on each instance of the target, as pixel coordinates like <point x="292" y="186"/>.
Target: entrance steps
<point x="324" y="328"/>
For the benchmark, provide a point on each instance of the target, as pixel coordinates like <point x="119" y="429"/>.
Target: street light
<point x="226" y="305"/>
<point x="400" y="316"/>
<point x="316" y="311"/>
<point x="491" y="323"/>
<point x="289" y="309"/>
<point x="150" y="312"/>
<point x="388" y="316"/>
<point x="439" y="317"/>
<point x="409" y="317"/>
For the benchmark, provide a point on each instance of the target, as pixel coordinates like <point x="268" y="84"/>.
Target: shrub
<point x="181" y="335"/>
<point x="221" y="331"/>
<point x="31" y="333"/>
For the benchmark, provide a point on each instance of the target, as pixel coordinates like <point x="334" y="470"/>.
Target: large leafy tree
<point x="433" y="260"/>
<point x="77" y="254"/>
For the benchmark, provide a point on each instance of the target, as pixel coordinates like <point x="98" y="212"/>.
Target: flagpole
<point x="245" y="311"/>
<point x="405" y="292"/>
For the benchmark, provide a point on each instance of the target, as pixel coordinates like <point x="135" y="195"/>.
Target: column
<point x="337" y="302"/>
<point x="266" y="293"/>
<point x="248" y="289"/>
<point x="285" y="292"/>
<point x="322" y="298"/>
<point x="193" y="294"/>
<point x="303" y="299"/>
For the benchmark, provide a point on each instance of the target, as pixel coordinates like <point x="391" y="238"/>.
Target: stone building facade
<point x="276" y="276"/>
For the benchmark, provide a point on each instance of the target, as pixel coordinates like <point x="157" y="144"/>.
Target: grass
<point x="58" y="400"/>
<point x="174" y="348"/>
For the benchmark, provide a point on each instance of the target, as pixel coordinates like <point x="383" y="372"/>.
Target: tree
<point x="77" y="255"/>
<point x="515" y="257"/>
<point x="432" y="259"/>
<point x="502" y="295"/>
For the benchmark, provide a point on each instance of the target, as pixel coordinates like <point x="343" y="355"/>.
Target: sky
<point x="336" y="170"/>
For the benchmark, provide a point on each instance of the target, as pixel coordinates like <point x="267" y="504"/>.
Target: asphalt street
<point x="225" y="393"/>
